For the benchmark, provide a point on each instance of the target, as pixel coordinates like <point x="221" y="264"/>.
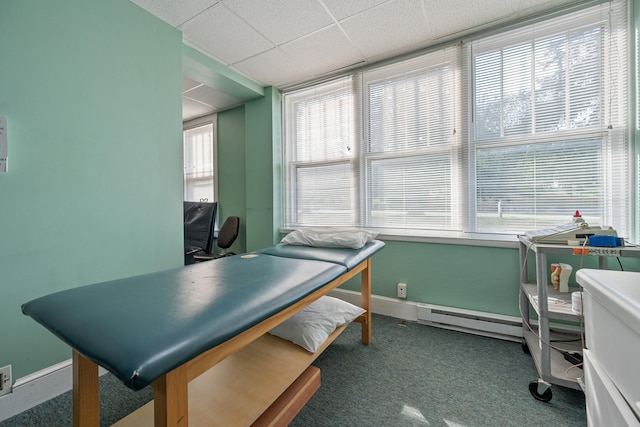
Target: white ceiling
<point x="283" y="42"/>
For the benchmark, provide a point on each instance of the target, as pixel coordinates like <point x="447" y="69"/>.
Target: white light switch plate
<point x="6" y="382"/>
<point x="4" y="144"/>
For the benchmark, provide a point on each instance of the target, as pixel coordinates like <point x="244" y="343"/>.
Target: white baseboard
<point x="386" y="306"/>
<point x="37" y="388"/>
<point x="407" y="310"/>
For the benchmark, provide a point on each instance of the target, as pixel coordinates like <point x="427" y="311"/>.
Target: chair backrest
<point x="228" y="232"/>
<point x="199" y="221"/>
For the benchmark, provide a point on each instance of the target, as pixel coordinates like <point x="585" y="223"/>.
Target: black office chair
<point x="226" y="236"/>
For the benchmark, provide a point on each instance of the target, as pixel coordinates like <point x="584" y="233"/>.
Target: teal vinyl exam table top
<point x="139" y="328"/>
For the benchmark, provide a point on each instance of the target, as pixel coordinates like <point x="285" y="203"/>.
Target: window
<point x="550" y="124"/>
<point x="199" y="161"/>
<point x="411" y="147"/>
<point x="322" y="174"/>
<point x="500" y="134"/>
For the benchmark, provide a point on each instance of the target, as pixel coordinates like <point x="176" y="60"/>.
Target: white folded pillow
<point x="311" y="327"/>
<point x="329" y="237"/>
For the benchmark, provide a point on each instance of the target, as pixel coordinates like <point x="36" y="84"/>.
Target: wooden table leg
<point x="86" y="398"/>
<point x="171" y="399"/>
<point x="365" y="278"/>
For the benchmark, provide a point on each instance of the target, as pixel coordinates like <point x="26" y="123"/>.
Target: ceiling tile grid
<point x="389" y="28"/>
<point x="281" y="21"/>
<point x="223" y="35"/>
<point x="341" y="9"/>
<point x="323" y="51"/>
<point x="175" y="12"/>
<point x="286" y="42"/>
<point x="274" y="68"/>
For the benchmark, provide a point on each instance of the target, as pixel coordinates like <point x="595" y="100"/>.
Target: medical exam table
<point x="171" y="328"/>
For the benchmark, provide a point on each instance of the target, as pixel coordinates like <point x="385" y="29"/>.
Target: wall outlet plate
<point x="402" y="290"/>
<point x="6" y="382"/>
<point x="4" y="145"/>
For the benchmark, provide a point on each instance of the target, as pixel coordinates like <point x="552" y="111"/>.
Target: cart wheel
<point x="525" y="347"/>
<point x="541" y="390"/>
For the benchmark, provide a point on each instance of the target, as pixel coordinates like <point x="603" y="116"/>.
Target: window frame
<point x="463" y="159"/>
<point x="213" y="178"/>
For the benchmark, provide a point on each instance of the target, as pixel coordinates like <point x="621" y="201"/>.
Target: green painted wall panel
<point x="232" y="171"/>
<point x="260" y="137"/>
<point x="470" y="277"/>
<point x="92" y="95"/>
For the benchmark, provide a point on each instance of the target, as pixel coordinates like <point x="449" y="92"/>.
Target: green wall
<point x="472" y="277"/>
<point x="232" y="173"/>
<point x="249" y="169"/>
<point x="263" y="117"/>
<point x="91" y="91"/>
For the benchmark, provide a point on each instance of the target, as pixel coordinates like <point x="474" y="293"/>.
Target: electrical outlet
<point x="5" y="380"/>
<point x="402" y="290"/>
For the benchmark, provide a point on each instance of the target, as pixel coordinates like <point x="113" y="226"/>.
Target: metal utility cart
<point x="549" y="305"/>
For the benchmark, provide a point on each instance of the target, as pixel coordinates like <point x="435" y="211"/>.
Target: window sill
<point x="454" y="238"/>
<point x="446" y="238"/>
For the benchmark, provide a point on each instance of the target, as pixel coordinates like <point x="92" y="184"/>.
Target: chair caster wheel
<point x="541" y="390"/>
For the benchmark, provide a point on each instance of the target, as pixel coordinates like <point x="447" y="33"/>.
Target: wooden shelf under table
<point x="236" y="391"/>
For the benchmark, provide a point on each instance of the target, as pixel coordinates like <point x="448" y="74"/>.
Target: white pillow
<point x="329" y="237"/>
<point x="310" y="327"/>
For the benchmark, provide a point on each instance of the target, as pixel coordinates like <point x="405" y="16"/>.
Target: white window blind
<point x="410" y="143"/>
<point x="199" y="161"/>
<point x="500" y="134"/>
<point x="550" y="123"/>
<point x="320" y="172"/>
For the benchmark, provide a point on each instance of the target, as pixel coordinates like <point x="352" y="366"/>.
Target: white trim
<point x="409" y="310"/>
<point x="386" y="306"/>
<point x="471" y="321"/>
<point x="37" y="388"/>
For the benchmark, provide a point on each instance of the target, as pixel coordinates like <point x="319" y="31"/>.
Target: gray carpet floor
<point x="411" y="375"/>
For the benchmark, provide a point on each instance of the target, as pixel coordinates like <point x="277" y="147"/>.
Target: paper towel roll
<point x="576" y="302"/>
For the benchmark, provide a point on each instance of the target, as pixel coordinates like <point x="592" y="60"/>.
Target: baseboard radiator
<point x="475" y="322"/>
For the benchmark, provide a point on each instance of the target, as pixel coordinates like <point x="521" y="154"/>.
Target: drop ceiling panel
<point x="212" y="97"/>
<point x="274" y="67"/>
<point x="281" y="21"/>
<point x="528" y="7"/>
<point x="193" y="109"/>
<point x="392" y="27"/>
<point x="187" y="84"/>
<point x="323" y="51"/>
<point x="175" y="12"/>
<point x="225" y="36"/>
<point x="341" y="9"/>
<point x="488" y="11"/>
